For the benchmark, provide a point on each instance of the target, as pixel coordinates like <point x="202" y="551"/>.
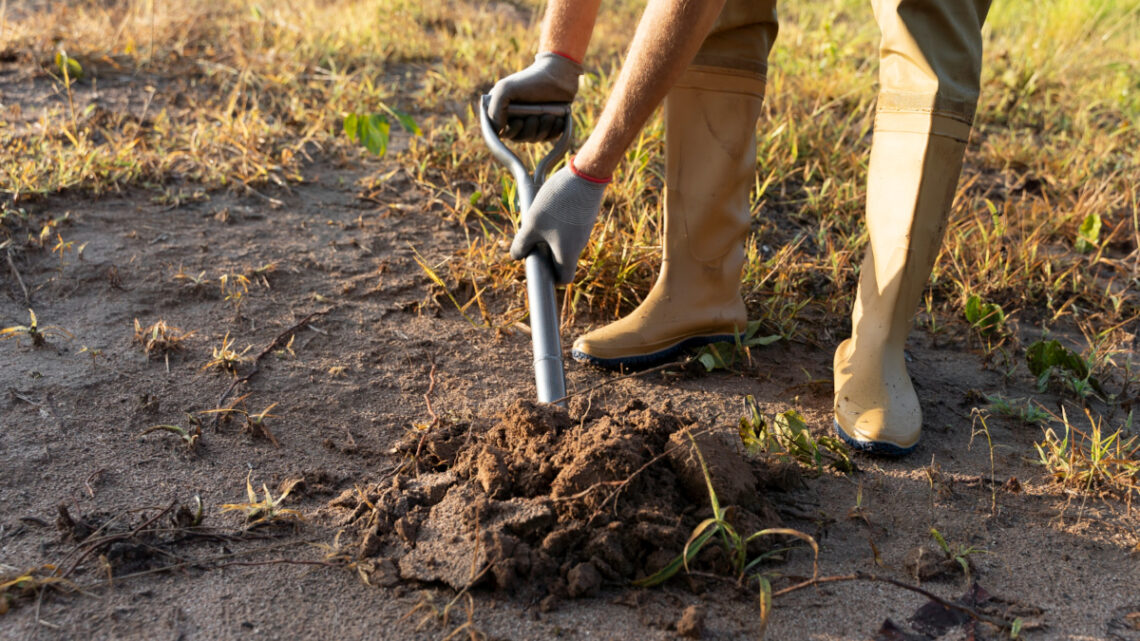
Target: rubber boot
<point x="929" y="74"/>
<point x="710" y="164"/>
<point x="915" y="163"/>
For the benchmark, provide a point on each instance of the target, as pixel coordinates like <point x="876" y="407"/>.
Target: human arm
<point x="552" y="78"/>
<point x="668" y="36"/>
<point x="667" y="39"/>
<point x="567" y="27"/>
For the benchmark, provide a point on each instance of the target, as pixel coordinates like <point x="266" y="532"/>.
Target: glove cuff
<point x="566" y="56"/>
<point x="585" y="176"/>
<point x="561" y="65"/>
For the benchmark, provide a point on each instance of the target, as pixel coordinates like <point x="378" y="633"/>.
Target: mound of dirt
<point x="541" y="499"/>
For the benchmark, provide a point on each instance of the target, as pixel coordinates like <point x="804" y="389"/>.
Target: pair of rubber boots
<point x="710" y="124"/>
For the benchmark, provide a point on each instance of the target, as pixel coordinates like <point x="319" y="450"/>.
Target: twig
<point x="87" y="483"/>
<point x="273" y="202"/>
<point x="816" y="581"/>
<point x="16" y="273"/>
<point x="94" y="545"/>
<point x="611" y="381"/>
<point x="194" y="562"/>
<point x="427" y="397"/>
<point x="862" y="576"/>
<point x="327" y="564"/>
<point x="276" y="342"/>
<point x="434" y="419"/>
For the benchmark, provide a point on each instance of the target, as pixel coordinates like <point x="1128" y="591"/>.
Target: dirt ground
<point x="386" y="369"/>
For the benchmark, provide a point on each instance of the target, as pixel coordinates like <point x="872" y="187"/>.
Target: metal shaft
<point x="549" y="376"/>
<point x="549" y="373"/>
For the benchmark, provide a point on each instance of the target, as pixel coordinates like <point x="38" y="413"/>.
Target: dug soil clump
<point x="538" y="499"/>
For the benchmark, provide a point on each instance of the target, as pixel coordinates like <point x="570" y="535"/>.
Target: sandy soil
<point x="352" y="397"/>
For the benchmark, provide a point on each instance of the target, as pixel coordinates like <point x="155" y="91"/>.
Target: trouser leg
<point x="929" y="82"/>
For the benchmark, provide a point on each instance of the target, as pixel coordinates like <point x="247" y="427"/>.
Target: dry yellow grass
<point x="232" y="95"/>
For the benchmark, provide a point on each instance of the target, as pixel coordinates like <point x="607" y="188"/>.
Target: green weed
<point x="189" y="436"/>
<point x="1022" y="409"/>
<point x="372" y="130"/>
<point x="1092" y="459"/>
<point x="268" y="509"/>
<point x="957" y="553"/>
<point x="725" y="355"/>
<point x="786" y="435"/>
<point x="987" y="319"/>
<point x="718" y="527"/>
<point x="1049" y="361"/>
<point x="34" y="331"/>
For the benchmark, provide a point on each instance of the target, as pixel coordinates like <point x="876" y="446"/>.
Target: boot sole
<point x="875" y="448"/>
<point x="643" y="361"/>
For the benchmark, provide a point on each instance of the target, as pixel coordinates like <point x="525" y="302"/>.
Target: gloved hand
<point x="552" y="78"/>
<point x="561" y="217"/>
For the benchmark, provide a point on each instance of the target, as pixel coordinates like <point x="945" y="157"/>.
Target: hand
<point x="560" y="218"/>
<point x="552" y="78"/>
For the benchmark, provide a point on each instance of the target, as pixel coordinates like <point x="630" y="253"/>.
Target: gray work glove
<point x="551" y="79"/>
<point x="561" y="217"/>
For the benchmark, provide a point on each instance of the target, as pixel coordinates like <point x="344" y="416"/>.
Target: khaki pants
<point x="930" y="53"/>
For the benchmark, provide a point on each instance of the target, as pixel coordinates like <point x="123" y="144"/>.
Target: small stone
<point x="384" y="573"/>
<point x="692" y="622"/>
<point x="584" y="580"/>
<point x="923" y="564"/>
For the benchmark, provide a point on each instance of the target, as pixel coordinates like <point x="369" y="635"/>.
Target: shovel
<point x="549" y="377"/>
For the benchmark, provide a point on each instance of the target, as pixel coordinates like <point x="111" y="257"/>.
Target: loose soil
<point x="554" y="505"/>
<point x="426" y="479"/>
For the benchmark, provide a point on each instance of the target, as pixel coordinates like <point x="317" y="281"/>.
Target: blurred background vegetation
<point x="178" y="99"/>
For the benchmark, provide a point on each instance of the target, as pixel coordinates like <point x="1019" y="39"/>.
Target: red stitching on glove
<point x="598" y="181"/>
<point x="567" y="56"/>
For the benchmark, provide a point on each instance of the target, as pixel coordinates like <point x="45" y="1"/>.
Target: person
<point x="708" y="61"/>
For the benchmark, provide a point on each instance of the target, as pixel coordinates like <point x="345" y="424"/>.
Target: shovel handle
<point x="549" y="373"/>
<point x="528" y="183"/>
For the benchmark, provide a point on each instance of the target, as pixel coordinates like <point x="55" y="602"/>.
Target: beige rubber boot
<point x="710" y="165"/>
<point x="929" y="72"/>
<point x="915" y="163"/>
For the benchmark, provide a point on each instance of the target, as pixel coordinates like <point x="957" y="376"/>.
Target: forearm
<point x="667" y="39"/>
<point x="567" y="27"/>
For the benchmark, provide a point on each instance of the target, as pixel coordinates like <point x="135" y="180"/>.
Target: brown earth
<point x="551" y="504"/>
<point x="537" y="519"/>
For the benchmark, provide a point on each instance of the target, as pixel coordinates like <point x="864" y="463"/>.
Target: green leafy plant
<point x="1088" y="234"/>
<point x="957" y="553"/>
<point x="373" y="130"/>
<point x="189" y="436"/>
<point x="726" y="354"/>
<point x="1049" y="360"/>
<point x="68" y="67"/>
<point x="987" y="319"/>
<point x="735" y="545"/>
<point x="787" y="435"/>
<point x="1021" y="409"/>
<point x="1092" y="459"/>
